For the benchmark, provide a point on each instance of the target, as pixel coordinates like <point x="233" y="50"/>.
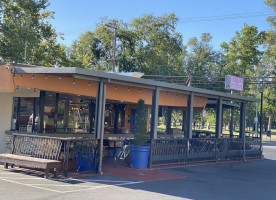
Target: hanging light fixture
<point x="74" y="82"/>
<point x="46" y="77"/>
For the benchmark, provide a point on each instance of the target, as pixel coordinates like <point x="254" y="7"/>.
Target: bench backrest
<point x="37" y="146"/>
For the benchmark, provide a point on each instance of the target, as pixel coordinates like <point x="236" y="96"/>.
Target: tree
<point x="24" y="26"/>
<point x="159" y="48"/>
<point x="270" y="52"/>
<point x="94" y="49"/>
<point x="148" y="44"/>
<point x="242" y="53"/>
<point x="203" y="61"/>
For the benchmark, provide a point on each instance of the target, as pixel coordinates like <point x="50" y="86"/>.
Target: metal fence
<point x="80" y="155"/>
<point x="185" y="151"/>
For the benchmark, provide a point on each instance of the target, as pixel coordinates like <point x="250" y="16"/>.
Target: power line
<point x="189" y="20"/>
<point x="226" y="17"/>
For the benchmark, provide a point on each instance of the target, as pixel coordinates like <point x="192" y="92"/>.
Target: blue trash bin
<point x="139" y="157"/>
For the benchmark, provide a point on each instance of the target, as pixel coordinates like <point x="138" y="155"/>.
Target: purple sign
<point x="234" y="83"/>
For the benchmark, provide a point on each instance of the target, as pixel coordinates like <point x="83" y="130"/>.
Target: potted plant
<point x="139" y="149"/>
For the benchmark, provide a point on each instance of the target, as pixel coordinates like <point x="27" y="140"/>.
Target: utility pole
<point x="113" y="59"/>
<point x="25" y="58"/>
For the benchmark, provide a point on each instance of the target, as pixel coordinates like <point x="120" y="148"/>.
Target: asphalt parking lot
<point x="236" y="180"/>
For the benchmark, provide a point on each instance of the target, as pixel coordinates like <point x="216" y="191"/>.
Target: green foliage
<point x="140" y="124"/>
<point x="203" y="61"/>
<point x="148" y="44"/>
<point x="270" y="52"/>
<point x="24" y="24"/>
<point x="242" y="53"/>
<point x="159" y="47"/>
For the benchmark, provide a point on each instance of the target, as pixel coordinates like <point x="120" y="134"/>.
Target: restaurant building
<point x="76" y="102"/>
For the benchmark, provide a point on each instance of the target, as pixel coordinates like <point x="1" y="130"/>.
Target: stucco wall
<point x="5" y="118"/>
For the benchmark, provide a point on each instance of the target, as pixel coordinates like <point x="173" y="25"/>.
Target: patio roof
<point x="87" y="74"/>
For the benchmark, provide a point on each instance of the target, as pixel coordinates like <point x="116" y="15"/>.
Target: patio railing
<point x="185" y="151"/>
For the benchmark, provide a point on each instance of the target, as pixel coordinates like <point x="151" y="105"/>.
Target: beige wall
<point x="5" y="118"/>
<point x="6" y="111"/>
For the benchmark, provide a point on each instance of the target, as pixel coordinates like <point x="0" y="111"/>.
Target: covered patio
<point x="81" y="105"/>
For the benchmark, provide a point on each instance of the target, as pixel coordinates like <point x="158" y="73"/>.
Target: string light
<point x="33" y="76"/>
<point x="20" y="75"/>
<point x="89" y="84"/>
<point x="13" y="75"/>
<point x="139" y="90"/>
<point x="128" y="89"/>
<point x="17" y="89"/>
<point x="46" y="77"/>
<point x="74" y="82"/>
<point x="116" y="87"/>
<point x="59" y="77"/>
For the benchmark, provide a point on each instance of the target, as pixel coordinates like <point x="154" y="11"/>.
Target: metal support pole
<point x="116" y="118"/>
<point x="154" y="113"/>
<point x="169" y="120"/>
<point x="261" y="121"/>
<point x="242" y="126"/>
<point x="41" y="110"/>
<point x="190" y="115"/>
<point x="56" y="112"/>
<point x="34" y="114"/>
<point x="184" y="123"/>
<point x="99" y="125"/>
<point x="242" y="119"/>
<point x="231" y="122"/>
<point x="219" y="118"/>
<point x="256" y="117"/>
<point x="261" y="115"/>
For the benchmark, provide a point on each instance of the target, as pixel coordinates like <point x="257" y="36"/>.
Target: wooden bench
<point x="36" y="152"/>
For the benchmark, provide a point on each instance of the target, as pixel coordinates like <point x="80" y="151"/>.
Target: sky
<point x="220" y="18"/>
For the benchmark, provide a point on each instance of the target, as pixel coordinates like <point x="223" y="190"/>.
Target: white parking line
<point x="64" y="182"/>
<point x="103" y="186"/>
<point x="15" y="178"/>
<point x="89" y="180"/>
<point x="11" y="173"/>
<point x="30" y="185"/>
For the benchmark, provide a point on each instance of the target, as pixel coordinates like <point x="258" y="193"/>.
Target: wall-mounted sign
<point x="234" y="83"/>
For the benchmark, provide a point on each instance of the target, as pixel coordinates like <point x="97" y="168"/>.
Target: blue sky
<point x="75" y="17"/>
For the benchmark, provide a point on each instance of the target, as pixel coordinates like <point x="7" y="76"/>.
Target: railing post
<point x="216" y="150"/>
<point x="66" y="155"/>
<point x="151" y="152"/>
<point x="244" y="158"/>
<point x="187" y="152"/>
